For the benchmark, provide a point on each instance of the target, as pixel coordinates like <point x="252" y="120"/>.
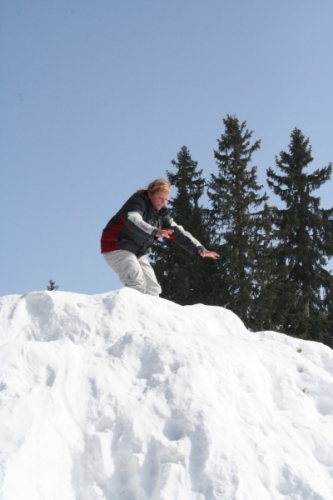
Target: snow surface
<point x="122" y="396"/>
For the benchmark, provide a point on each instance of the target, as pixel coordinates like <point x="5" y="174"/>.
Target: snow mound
<point x="125" y="396"/>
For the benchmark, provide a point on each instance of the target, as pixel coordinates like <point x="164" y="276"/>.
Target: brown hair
<point x="154" y="187"/>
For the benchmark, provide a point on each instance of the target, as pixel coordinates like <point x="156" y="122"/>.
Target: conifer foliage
<point x="52" y="286"/>
<point x="273" y="267"/>
<point x="304" y="235"/>
<point x="184" y="278"/>
<point x="238" y="217"/>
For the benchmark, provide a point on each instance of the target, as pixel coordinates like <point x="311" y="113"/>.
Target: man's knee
<point x="127" y="266"/>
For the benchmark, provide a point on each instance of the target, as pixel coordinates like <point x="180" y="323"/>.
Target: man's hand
<point x="208" y="253"/>
<point x="164" y="233"/>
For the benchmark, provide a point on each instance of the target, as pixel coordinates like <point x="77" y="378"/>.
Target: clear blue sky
<point x="98" y="96"/>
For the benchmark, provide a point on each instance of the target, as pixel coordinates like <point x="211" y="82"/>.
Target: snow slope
<point x="122" y="396"/>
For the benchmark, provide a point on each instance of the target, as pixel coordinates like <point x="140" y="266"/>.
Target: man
<point x="129" y="235"/>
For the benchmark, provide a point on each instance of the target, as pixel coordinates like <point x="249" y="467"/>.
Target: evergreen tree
<point x="327" y="335"/>
<point x="52" y="286"/>
<point x="304" y="233"/>
<point x="266" y="281"/>
<point x="242" y="223"/>
<point x="184" y="278"/>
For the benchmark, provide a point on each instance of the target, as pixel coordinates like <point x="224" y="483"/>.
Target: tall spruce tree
<point x="185" y="278"/>
<point x="242" y="223"/>
<point x="266" y="281"/>
<point x="304" y="234"/>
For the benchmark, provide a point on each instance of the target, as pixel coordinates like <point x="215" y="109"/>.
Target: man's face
<point x="159" y="199"/>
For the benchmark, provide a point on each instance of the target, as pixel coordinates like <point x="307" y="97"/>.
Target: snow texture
<point x="122" y="396"/>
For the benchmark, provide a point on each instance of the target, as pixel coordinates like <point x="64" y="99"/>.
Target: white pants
<point x="133" y="272"/>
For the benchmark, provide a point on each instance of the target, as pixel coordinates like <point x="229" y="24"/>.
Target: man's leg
<point x="152" y="286"/>
<point x="128" y="268"/>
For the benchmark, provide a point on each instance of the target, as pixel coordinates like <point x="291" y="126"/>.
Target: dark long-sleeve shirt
<point x="135" y="225"/>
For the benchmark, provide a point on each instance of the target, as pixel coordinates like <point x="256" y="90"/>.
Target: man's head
<point x="158" y="193"/>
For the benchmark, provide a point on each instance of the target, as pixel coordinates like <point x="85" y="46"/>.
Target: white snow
<point x="122" y="396"/>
